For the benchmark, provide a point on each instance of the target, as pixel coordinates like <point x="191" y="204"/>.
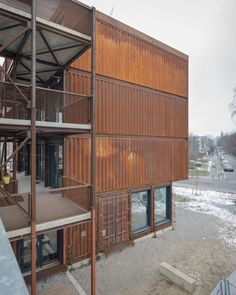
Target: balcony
<point x="55" y="208"/>
<point x="57" y="111"/>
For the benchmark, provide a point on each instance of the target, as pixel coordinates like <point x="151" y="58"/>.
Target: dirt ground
<point x="193" y="247"/>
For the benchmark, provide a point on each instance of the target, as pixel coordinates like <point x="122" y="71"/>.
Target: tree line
<point x="228" y="142"/>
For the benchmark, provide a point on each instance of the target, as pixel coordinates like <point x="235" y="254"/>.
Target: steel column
<point x="33" y="148"/>
<point x="93" y="153"/>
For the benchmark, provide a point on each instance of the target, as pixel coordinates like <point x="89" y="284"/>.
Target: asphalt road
<point x="217" y="180"/>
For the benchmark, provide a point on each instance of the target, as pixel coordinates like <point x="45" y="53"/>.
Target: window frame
<point x="148" y="212"/>
<point x="168" y="206"/>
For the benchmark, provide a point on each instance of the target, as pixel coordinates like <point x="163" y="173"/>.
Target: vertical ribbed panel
<point x="124" y="56"/>
<point x="113" y="214"/>
<point x="78" y="240"/>
<point x="127" y="162"/>
<point x="128" y="109"/>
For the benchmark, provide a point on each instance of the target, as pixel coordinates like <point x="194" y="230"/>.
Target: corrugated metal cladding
<point x="76" y="109"/>
<point x="124" y="162"/>
<point x="124" y="56"/>
<point x="113" y="219"/>
<point x="124" y="108"/>
<point x="179" y="160"/>
<point x="78" y="241"/>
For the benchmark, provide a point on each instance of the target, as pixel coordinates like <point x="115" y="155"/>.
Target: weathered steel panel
<point x="126" y="162"/>
<point x="76" y="109"/>
<point x="113" y="223"/>
<point x="124" y="108"/>
<point x="78" y="241"/>
<point x="125" y="55"/>
<point x="179" y="160"/>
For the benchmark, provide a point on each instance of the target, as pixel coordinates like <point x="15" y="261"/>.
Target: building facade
<point x="71" y="184"/>
<point x="141" y="133"/>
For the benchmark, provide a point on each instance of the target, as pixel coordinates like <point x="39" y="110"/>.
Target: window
<point x="48" y="249"/>
<point x="162" y="204"/>
<point x="140" y="211"/>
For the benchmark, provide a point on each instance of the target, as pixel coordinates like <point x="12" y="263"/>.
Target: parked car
<point x="228" y="167"/>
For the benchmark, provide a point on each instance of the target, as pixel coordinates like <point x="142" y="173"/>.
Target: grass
<point x="199" y="173"/>
<point x="202" y="170"/>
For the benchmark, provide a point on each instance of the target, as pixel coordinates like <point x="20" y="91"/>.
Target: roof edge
<point x="122" y="26"/>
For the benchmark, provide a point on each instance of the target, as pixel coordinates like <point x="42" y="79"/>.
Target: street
<point x="218" y="180"/>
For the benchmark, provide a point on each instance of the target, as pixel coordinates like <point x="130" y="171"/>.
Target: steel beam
<point x="33" y="148"/>
<point x="29" y="71"/>
<point x="10" y="27"/>
<point x="13" y="39"/>
<point x="22" y="44"/>
<point x="59" y="49"/>
<point x="49" y="47"/>
<point x="93" y="152"/>
<point x="14" y="84"/>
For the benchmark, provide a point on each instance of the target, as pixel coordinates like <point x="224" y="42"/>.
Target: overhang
<point x="57" y="44"/>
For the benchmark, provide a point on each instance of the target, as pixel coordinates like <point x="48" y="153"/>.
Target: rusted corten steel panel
<point x="126" y="162"/>
<point x="113" y="219"/>
<point x="125" y="108"/>
<point x="76" y="110"/>
<point x="78" y="241"/>
<point x="180" y="160"/>
<point x="126" y="54"/>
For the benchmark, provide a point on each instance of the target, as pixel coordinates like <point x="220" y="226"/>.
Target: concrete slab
<point x="61" y="290"/>
<point x="178" y="277"/>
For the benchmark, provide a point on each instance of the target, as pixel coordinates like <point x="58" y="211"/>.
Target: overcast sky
<point x="203" y="29"/>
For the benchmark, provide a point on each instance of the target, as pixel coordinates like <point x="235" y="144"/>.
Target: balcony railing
<point x="51" y="105"/>
<point x="54" y="207"/>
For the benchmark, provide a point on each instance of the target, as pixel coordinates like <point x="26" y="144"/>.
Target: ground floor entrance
<point x="49" y="249"/>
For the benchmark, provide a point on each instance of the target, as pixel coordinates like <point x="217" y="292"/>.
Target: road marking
<point x="76" y="285"/>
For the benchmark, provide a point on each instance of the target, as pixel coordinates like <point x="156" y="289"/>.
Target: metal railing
<point x="51" y="105"/>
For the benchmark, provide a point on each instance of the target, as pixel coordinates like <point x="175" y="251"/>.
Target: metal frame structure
<point x="32" y="25"/>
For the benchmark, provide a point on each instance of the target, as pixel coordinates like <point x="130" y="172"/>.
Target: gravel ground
<point x="57" y="284"/>
<point x="194" y="246"/>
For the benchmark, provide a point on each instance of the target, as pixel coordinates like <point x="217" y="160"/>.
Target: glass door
<point x="55" y="159"/>
<point x="40" y="162"/>
<point x="49" y="249"/>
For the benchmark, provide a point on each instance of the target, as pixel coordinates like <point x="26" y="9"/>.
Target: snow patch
<point x="215" y="204"/>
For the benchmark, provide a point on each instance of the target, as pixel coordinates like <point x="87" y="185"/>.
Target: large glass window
<point x="140" y="211"/>
<point x="162" y="204"/>
<point x="48" y="249"/>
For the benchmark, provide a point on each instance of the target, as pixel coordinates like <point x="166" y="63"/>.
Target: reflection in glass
<point x="140" y="211"/>
<point x="161" y="205"/>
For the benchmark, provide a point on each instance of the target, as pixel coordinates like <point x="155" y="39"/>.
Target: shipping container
<point x="78" y="243"/>
<point x="113" y="219"/>
<point x="126" y="162"/>
<point x="141" y="131"/>
<point x="123" y="108"/>
<point x="126" y="54"/>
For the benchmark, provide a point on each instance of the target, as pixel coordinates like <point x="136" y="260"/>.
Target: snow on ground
<point x="213" y="203"/>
